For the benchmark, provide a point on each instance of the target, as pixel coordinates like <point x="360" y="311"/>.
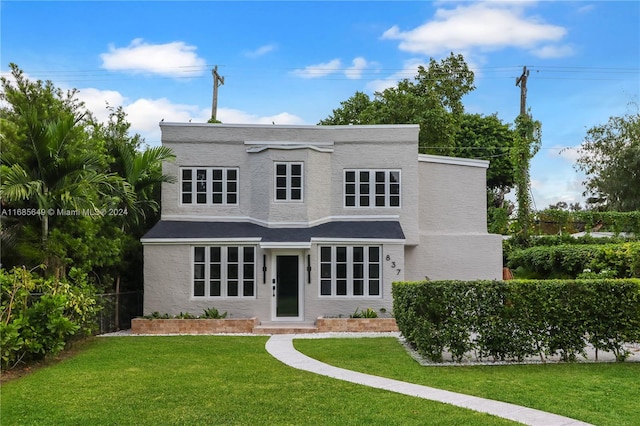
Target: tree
<point x="610" y="158"/>
<point x="432" y="99"/>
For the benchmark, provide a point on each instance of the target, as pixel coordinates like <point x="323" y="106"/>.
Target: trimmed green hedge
<point x="570" y="260"/>
<point x="512" y="320"/>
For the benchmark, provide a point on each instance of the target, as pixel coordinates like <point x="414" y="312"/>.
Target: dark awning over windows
<point x="185" y="230"/>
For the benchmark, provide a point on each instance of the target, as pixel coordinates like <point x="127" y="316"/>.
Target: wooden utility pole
<point x="522" y="82"/>
<point x="217" y="81"/>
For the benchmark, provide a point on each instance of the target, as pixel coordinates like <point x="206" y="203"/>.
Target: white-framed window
<point x="371" y="188"/>
<point x="350" y="271"/>
<point x="209" y="185"/>
<point x="224" y="271"/>
<point x="288" y="181"/>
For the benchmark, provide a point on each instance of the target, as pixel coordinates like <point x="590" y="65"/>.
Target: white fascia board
<point x="457" y="161"/>
<point x="369" y="241"/>
<point x="285" y="245"/>
<point x="256" y="149"/>
<point x="188" y="241"/>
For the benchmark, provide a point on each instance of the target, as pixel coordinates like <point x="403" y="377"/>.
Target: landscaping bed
<point x="192" y="326"/>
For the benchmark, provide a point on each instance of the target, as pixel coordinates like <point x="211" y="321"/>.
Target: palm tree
<point x="52" y="174"/>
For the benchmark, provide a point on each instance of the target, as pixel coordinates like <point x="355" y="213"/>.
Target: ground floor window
<point x="224" y="271"/>
<point x="350" y="270"/>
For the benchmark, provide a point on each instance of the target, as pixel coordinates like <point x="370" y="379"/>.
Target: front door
<point x="287" y="288"/>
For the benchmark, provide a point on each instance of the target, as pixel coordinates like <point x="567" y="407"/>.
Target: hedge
<point x="512" y="320"/>
<point x="570" y="260"/>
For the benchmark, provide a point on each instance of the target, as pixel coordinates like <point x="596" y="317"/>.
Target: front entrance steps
<point x="282" y="327"/>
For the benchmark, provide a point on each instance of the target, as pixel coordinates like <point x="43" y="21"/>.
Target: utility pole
<point x="522" y="82"/>
<point x="217" y="81"/>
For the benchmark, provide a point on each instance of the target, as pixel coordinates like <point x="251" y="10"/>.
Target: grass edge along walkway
<point x="281" y="347"/>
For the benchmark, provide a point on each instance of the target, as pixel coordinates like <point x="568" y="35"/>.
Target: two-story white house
<point x="289" y="223"/>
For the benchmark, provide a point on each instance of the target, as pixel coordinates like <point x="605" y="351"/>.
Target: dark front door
<point x="287" y="286"/>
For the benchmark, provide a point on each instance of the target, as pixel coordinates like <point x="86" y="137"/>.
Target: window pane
<point x="214" y="288"/>
<point x="380" y="176"/>
<point x="296" y="194"/>
<point x="358" y="254"/>
<point x="198" y="254"/>
<point x="214" y="271"/>
<point x="364" y="188"/>
<point x="198" y="288"/>
<point x="374" y="254"/>
<point x="232" y="199"/>
<point x="374" y="270"/>
<point x="232" y="254"/>
<point x="341" y="287"/>
<point x="247" y="271"/>
<point x="374" y="288"/>
<point x="350" y="201"/>
<point x="350" y="188"/>
<point x="214" y="254"/>
<point x="364" y="201"/>
<point x="217" y="174"/>
<point x="187" y="187"/>
<point x="186" y="198"/>
<point x="380" y="188"/>
<point x="281" y="169"/>
<point x="247" y="288"/>
<point x="341" y="254"/>
<point x="186" y="174"/>
<point x="394" y="176"/>
<point x="394" y="201"/>
<point x="394" y="189"/>
<point x="325" y="287"/>
<point x="281" y="194"/>
<point x="232" y="174"/>
<point x="201" y="174"/>
<point x="364" y="176"/>
<point x="201" y="198"/>
<point x="341" y="270"/>
<point x="296" y="182"/>
<point x="216" y="199"/>
<point x="198" y="271"/>
<point x="325" y="254"/>
<point x="358" y="287"/>
<point x="217" y="187"/>
<point x="296" y="169"/>
<point x="325" y="270"/>
<point x="281" y="182"/>
<point x="232" y="271"/>
<point x="380" y="201"/>
<point x="248" y="255"/>
<point x="231" y="187"/>
<point x="232" y="288"/>
<point x="350" y="176"/>
<point x="358" y="270"/>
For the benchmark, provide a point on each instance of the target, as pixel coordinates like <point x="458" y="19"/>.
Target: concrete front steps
<point x="278" y="327"/>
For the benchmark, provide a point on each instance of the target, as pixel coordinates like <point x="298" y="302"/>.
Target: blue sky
<point x="294" y="62"/>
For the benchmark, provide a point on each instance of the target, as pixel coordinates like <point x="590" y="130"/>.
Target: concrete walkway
<point x="280" y="346"/>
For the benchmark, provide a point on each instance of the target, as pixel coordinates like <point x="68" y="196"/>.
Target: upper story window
<point x="371" y="188"/>
<point x="288" y="181"/>
<point x="209" y="185"/>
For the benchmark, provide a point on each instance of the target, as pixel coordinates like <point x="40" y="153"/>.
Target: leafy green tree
<point x="610" y="158"/>
<point x="432" y="99"/>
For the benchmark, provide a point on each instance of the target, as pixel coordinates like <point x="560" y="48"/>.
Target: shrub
<point x="516" y="319"/>
<point x="39" y="317"/>
<point x="367" y="313"/>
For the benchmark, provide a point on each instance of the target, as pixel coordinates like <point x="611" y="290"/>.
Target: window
<point x="210" y="185"/>
<point x="372" y="188"/>
<point x="350" y="271"/>
<point x="288" y="181"/>
<point x="222" y="271"/>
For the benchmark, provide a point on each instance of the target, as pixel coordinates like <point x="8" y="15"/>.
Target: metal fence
<point x="118" y="309"/>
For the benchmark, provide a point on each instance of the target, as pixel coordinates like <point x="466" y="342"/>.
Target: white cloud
<point x="96" y="101"/>
<point x="262" y="50"/>
<point x="484" y="26"/>
<point x="234" y="116"/>
<point x="175" y="59"/>
<point x="551" y="51"/>
<point x="319" y="70"/>
<point x="355" y="71"/>
<point x="567" y="153"/>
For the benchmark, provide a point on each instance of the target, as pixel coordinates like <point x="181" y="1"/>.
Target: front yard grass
<point x="204" y="380"/>
<point x="597" y="393"/>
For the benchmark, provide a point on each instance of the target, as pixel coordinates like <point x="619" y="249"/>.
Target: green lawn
<point x="602" y="394"/>
<point x="204" y="380"/>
